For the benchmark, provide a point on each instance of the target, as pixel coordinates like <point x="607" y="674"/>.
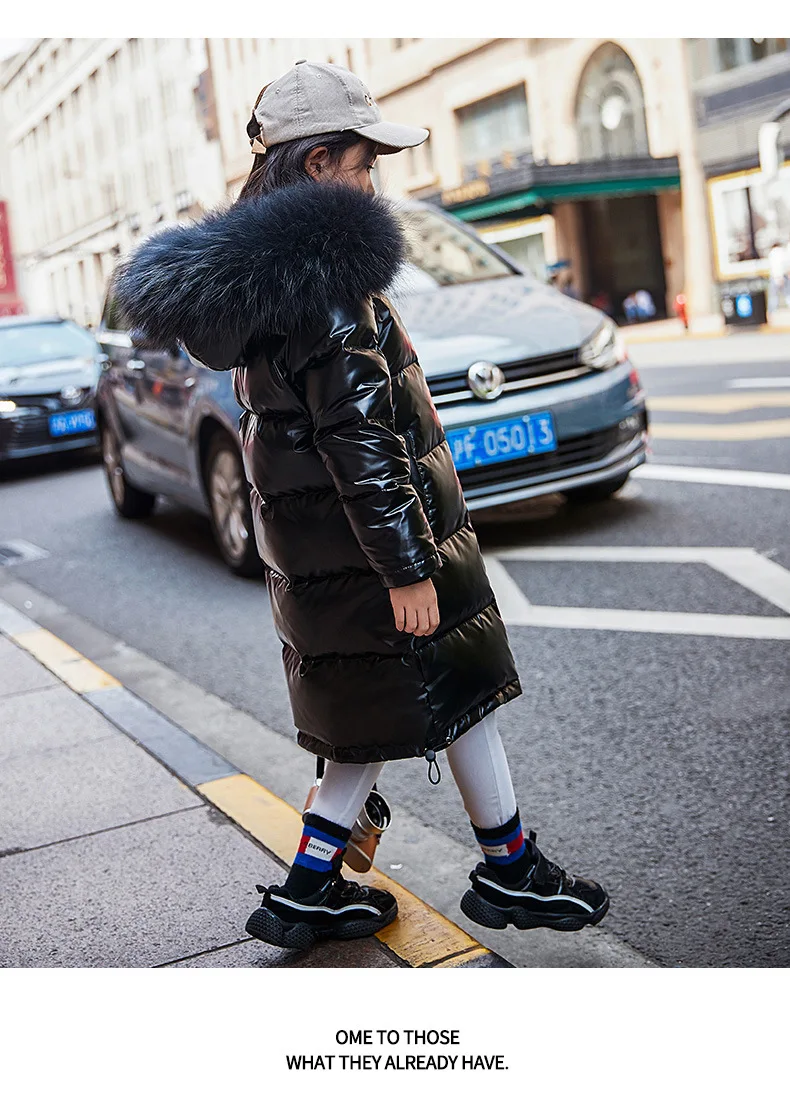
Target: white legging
<point x="478" y="764"/>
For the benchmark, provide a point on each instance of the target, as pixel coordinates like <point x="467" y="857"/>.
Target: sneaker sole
<point x="268" y="927"/>
<point x="482" y="912"/>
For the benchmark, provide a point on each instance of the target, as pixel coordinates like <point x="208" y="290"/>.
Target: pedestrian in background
<point x="569" y="287"/>
<point x="778" y="274"/>
<point x="645" y="307"/>
<point x="393" y="644"/>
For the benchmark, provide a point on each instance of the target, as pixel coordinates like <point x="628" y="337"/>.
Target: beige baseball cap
<point x="317" y="97"/>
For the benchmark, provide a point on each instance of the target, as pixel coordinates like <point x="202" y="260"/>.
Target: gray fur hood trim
<point x="263" y="265"/>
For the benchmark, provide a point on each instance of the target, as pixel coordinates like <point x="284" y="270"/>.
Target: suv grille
<point x="564" y="366"/>
<point x="29" y="426"/>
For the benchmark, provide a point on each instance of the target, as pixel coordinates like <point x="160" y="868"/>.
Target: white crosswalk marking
<point x="712" y="476"/>
<point x="760" y="383"/>
<point x="744" y="566"/>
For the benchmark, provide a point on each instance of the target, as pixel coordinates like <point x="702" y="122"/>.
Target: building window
<point x="427" y="154"/>
<point x="177" y="169"/>
<point x="420" y="161"/>
<point x="494" y="126"/>
<point x="728" y="54"/>
<point x="610" y="107"/>
<point x="143" y="113"/>
<point x="151" y="180"/>
<point x="169" y="98"/>
<point x="747" y="222"/>
<point x="184" y="201"/>
<point x="714" y="56"/>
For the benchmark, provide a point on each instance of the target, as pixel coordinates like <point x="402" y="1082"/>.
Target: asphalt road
<point x="657" y="762"/>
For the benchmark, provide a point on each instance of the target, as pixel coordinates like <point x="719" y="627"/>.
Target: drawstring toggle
<point x="430" y="757"/>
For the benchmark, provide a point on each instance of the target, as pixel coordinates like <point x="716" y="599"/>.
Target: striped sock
<point x="320" y="855"/>
<point x="505" y="850"/>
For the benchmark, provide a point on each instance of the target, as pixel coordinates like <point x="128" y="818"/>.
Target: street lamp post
<point x="771" y="153"/>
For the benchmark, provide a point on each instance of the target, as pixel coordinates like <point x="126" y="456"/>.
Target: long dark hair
<point x="284" y="164"/>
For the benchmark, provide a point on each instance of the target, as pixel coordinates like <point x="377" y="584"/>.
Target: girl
<point x="393" y="645"/>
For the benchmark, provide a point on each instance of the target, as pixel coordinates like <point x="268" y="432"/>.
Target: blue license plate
<point x="515" y="437"/>
<point x="72" y="423"/>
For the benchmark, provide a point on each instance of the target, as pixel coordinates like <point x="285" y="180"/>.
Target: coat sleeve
<point x="348" y="394"/>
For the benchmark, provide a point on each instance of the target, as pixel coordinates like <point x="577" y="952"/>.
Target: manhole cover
<point x="19" y="551"/>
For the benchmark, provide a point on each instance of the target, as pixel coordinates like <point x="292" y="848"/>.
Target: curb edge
<point x="422" y="938"/>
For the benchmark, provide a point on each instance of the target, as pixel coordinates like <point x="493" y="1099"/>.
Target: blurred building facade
<point x="574" y="151"/>
<point x="563" y="150"/>
<point x="105" y="138"/>
<point x="241" y="67"/>
<point x="738" y="85"/>
<point x="11" y="302"/>
<point x="625" y="164"/>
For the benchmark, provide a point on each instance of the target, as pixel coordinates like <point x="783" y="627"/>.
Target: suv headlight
<point x="604" y="349"/>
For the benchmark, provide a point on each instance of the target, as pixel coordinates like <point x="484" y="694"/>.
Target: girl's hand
<point x="416" y="608"/>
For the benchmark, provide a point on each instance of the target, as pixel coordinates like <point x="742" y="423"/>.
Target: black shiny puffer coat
<point x="353" y="484"/>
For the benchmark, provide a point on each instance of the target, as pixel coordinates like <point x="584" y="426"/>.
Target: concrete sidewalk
<point x="701" y="327"/>
<point x="141" y="847"/>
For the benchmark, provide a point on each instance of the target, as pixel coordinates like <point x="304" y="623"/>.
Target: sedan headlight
<point x="604" y="349"/>
<point x="7" y="407"/>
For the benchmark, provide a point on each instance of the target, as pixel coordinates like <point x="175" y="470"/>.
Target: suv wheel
<point x="129" y="501"/>
<point x="231" y="515"/>
<point x="596" y="491"/>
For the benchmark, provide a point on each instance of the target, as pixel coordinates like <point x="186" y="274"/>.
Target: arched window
<point x="610" y="107"/>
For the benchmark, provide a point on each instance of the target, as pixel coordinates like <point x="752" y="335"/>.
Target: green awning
<point x="565" y="192"/>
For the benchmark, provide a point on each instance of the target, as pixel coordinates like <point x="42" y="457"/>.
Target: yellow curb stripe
<point x="637" y="340"/>
<point x="720" y="403"/>
<point x="420" y="937"/>
<point x="265" y="816"/>
<point x="694" y="336"/>
<point x="464" y="958"/>
<point x="725" y="433"/>
<point x="77" y="671"/>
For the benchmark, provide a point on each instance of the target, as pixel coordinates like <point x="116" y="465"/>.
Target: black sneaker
<point x="340" y="910"/>
<point x="547" y="897"/>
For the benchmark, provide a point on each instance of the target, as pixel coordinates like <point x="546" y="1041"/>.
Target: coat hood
<point x="262" y="265"/>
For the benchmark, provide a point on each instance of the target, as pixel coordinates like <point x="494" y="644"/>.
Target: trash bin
<point x="744" y="305"/>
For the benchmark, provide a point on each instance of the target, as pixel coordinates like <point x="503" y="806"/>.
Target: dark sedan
<point x="535" y="391"/>
<point x="49" y="368"/>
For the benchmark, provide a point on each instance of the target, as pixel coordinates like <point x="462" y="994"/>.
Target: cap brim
<point x="392" y="138"/>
